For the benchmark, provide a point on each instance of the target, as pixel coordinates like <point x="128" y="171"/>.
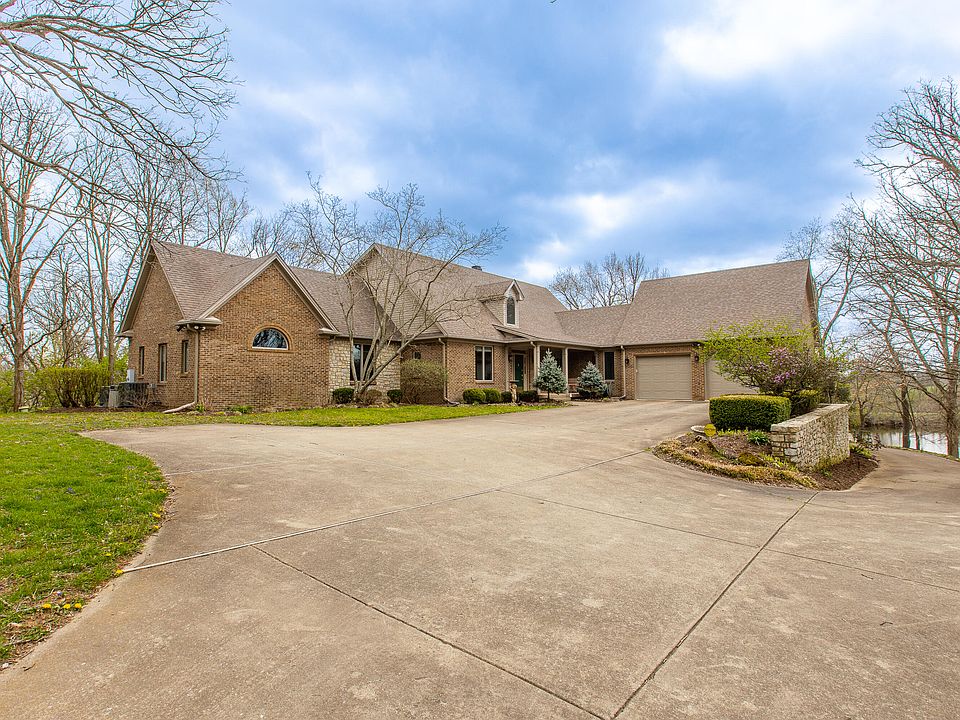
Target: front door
<point x="518" y="366"/>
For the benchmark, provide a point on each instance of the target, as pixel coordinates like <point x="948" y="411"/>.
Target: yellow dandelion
<point x="119" y="571"/>
<point x="47" y="606"/>
<point x="77" y="606"/>
<point x="156" y="527"/>
<point x="157" y="515"/>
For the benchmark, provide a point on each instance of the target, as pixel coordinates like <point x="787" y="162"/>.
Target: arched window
<point x="511" y="311"/>
<point x="272" y="339"/>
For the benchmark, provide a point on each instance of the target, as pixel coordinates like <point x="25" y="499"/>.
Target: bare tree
<point x="108" y="241"/>
<point x="140" y="74"/>
<point x="33" y="221"/>
<point x="278" y="233"/>
<point x="828" y="248"/>
<point x="224" y="213"/>
<point x="398" y="270"/>
<point x="907" y="252"/>
<point x="614" y="281"/>
<point x="60" y="312"/>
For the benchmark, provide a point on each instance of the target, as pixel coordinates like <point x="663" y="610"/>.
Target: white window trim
<point x="516" y="311"/>
<point x="483" y="349"/>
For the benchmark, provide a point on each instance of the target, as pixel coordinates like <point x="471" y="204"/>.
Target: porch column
<point x="536" y="363"/>
<point x="506" y="363"/>
<point x="566" y="367"/>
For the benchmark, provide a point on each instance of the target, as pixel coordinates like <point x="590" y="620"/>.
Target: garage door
<point x="663" y="378"/>
<point x="717" y="384"/>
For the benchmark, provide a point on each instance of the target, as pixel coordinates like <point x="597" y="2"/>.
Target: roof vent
<point x="477" y="267"/>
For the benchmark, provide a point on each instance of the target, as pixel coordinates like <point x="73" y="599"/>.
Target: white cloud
<point x="738" y="39"/>
<point x="594" y="215"/>
<point x="545" y="260"/>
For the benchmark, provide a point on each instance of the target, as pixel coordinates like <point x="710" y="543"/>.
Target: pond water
<point x="931" y="441"/>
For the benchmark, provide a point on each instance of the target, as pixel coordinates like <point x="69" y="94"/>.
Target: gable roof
<point x="684" y="308"/>
<point x="536" y="313"/>
<point x="667" y="310"/>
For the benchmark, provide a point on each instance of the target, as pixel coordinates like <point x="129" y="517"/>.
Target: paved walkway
<point x="538" y="565"/>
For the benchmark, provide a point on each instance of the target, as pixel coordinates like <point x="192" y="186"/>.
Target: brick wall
<point x="697" y="366"/>
<point x="814" y="440"/>
<point x="232" y="372"/>
<point x="461" y="368"/>
<point x="155" y="323"/>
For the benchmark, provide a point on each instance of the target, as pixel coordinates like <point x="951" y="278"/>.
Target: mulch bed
<point x="735" y="456"/>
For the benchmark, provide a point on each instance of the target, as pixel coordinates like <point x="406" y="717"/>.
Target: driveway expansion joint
<point x="432" y="636"/>
<point x="683" y="638"/>
<point x="373" y="516"/>
<point x="625" y="517"/>
<point x="871" y="571"/>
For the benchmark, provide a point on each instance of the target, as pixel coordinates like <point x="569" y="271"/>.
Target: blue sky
<point x="699" y="133"/>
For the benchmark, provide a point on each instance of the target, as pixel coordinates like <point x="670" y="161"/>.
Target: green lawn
<point x="73" y="510"/>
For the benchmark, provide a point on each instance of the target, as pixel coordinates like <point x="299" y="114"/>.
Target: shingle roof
<point x="199" y="277"/>
<point x="536" y="314"/>
<point x="333" y="294"/>
<point x="686" y="307"/>
<point x="597" y="326"/>
<point x="666" y="310"/>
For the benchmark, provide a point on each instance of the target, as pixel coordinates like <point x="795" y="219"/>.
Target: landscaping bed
<point x="746" y="456"/>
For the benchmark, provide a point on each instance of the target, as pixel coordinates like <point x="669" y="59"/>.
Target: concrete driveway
<point x="537" y="565"/>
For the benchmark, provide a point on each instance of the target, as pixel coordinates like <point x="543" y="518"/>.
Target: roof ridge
<point x="726" y="270"/>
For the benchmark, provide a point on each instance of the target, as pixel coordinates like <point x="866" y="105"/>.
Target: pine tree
<point x="590" y="383"/>
<point x="550" y="378"/>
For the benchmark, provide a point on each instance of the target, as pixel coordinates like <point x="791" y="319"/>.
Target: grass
<point x="74" y="509"/>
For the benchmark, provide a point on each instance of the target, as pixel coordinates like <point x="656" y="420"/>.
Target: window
<point x="417" y="355"/>
<point x="608" y="365"/>
<point x="511" y="311"/>
<point x="271" y="339"/>
<point x="184" y="355"/>
<point x="140" y="360"/>
<point x="162" y="362"/>
<point x="484" y="361"/>
<point x="360" y="355"/>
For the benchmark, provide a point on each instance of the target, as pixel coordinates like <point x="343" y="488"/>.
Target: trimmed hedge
<point x="474" y="395"/>
<point x="748" y="412"/>
<point x="492" y="395"/>
<point x="341" y="396"/>
<point x="803" y="402"/>
<point x="506" y="396"/>
<point x="530" y="396"/>
<point x="395" y="395"/>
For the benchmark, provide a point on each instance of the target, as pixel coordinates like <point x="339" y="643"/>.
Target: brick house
<point x="225" y="330"/>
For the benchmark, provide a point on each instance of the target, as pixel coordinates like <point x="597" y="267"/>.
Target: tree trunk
<point x="952" y="418"/>
<point x="19" y="369"/>
<point x="905" y="419"/>
<point x="111" y="339"/>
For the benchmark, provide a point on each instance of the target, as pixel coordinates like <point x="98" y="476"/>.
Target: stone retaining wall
<point x="815" y="440"/>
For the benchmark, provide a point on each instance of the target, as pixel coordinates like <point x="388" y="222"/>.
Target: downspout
<point x="446" y="374"/>
<point x="196" y="370"/>
<point x="623" y="372"/>
<point x="196" y="378"/>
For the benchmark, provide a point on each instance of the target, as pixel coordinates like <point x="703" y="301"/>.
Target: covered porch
<point x="523" y="364"/>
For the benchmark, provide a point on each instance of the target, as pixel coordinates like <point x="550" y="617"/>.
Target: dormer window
<point x="511" y="310"/>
